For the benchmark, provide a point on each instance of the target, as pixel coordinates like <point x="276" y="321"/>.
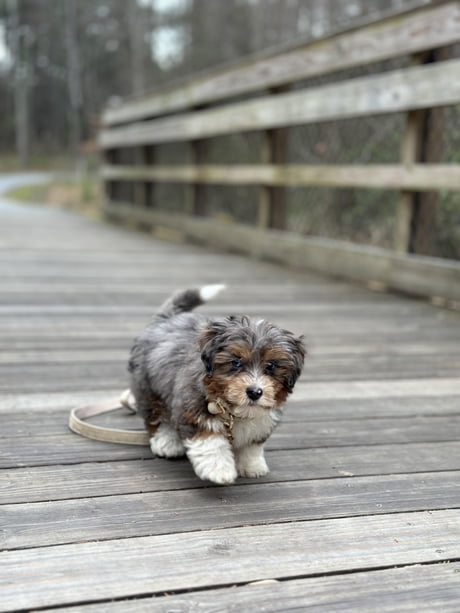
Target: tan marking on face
<point x="231" y="385"/>
<point x="242" y="352"/>
<point x="232" y="389"/>
<point x="275" y="353"/>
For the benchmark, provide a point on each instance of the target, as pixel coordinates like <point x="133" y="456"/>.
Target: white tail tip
<point x="207" y="292"/>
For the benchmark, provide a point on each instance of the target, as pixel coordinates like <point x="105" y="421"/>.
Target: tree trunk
<point x="73" y="77"/>
<point x="20" y="40"/>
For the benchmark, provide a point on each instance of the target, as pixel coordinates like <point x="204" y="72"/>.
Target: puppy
<point x="212" y="389"/>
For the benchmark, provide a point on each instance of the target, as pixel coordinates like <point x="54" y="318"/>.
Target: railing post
<point x="272" y="212"/>
<point x="197" y="200"/>
<point x="148" y="159"/>
<point x="110" y="158"/>
<point x="422" y="142"/>
<point x="410" y="152"/>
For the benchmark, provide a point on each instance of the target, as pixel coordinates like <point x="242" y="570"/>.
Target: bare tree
<point x="20" y="38"/>
<point x="136" y="43"/>
<point x="73" y="75"/>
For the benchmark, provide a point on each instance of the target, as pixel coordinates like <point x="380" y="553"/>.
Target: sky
<point x="3" y="51"/>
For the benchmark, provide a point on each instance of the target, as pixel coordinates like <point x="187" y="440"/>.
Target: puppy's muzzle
<point x="254" y="392"/>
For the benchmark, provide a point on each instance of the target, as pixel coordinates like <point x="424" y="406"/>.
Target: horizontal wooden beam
<point x="419" y="275"/>
<point x="400" y="90"/>
<point x="418" y="177"/>
<point x="417" y="30"/>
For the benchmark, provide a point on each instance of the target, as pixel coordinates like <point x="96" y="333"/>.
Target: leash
<point x="100" y="433"/>
<point x="130" y="437"/>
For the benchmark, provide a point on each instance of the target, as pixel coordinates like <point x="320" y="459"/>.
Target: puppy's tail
<point x="188" y="299"/>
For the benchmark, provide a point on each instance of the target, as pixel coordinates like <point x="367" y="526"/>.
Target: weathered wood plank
<point x="56" y="350"/>
<point x="351" y="391"/>
<point x="383" y="389"/>
<point x="418" y="275"/>
<point x="346" y="324"/>
<point x="299" y="410"/>
<point x="353" y="310"/>
<point x="50" y="420"/>
<point x="67" y="448"/>
<point x="424" y="28"/>
<point x="430" y="588"/>
<point x="44" y="483"/>
<point x="68" y="574"/>
<point x="132" y="515"/>
<point x="318" y="329"/>
<point x="390" y="92"/>
<point x="107" y="374"/>
<point x="410" y="177"/>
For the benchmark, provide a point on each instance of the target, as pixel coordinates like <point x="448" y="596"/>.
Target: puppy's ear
<point x="298" y="352"/>
<point x="208" y="344"/>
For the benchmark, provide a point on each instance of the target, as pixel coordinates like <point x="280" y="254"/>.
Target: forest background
<point x="63" y="61"/>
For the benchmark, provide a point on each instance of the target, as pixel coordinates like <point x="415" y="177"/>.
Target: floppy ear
<point x="298" y="353"/>
<point x="208" y="343"/>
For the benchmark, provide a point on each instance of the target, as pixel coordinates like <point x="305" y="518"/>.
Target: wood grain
<point x="430" y="588"/>
<point x="67" y="574"/>
<point x="390" y="92"/>
<point x="55" y="447"/>
<point x="369" y="446"/>
<point x="410" y="177"/>
<point x="147" y="514"/>
<point x="124" y="476"/>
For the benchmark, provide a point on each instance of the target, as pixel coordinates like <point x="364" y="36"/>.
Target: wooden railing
<point x="201" y="108"/>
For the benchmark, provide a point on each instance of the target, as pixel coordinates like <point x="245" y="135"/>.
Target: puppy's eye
<point x="236" y="364"/>
<point x="270" y="368"/>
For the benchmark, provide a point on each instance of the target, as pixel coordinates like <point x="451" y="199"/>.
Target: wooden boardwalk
<point x="360" y="511"/>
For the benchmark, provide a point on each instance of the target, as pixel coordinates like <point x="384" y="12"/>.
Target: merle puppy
<point x="212" y="388"/>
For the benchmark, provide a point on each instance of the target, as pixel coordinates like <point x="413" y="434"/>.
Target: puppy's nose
<point x="253" y="392"/>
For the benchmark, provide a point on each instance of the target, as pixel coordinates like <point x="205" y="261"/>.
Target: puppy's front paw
<point x="166" y="443"/>
<point x="212" y="459"/>
<point x="250" y="461"/>
<point x="223" y="474"/>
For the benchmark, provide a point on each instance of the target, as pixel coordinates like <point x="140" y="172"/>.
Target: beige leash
<point x="108" y="435"/>
<point x="130" y="437"/>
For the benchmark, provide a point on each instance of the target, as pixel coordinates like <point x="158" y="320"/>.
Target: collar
<point x="220" y="408"/>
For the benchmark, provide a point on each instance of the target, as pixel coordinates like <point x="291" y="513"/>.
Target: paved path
<point x="360" y="511"/>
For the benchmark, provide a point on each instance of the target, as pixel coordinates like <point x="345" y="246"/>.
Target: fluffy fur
<point x="212" y="388"/>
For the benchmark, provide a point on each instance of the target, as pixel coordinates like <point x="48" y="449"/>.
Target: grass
<point x="38" y="161"/>
<point x="78" y="194"/>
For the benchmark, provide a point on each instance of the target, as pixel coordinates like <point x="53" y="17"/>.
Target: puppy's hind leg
<point x="164" y="440"/>
<point x="166" y="443"/>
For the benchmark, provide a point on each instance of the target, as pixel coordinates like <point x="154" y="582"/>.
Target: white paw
<point x="166" y="443"/>
<point x="250" y="462"/>
<point x="223" y="474"/>
<point x="212" y="459"/>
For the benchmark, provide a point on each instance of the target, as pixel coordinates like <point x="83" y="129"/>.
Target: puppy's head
<point x="251" y="365"/>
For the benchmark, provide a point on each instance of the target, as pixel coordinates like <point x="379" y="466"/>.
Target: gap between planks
<point x="425" y="588"/>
